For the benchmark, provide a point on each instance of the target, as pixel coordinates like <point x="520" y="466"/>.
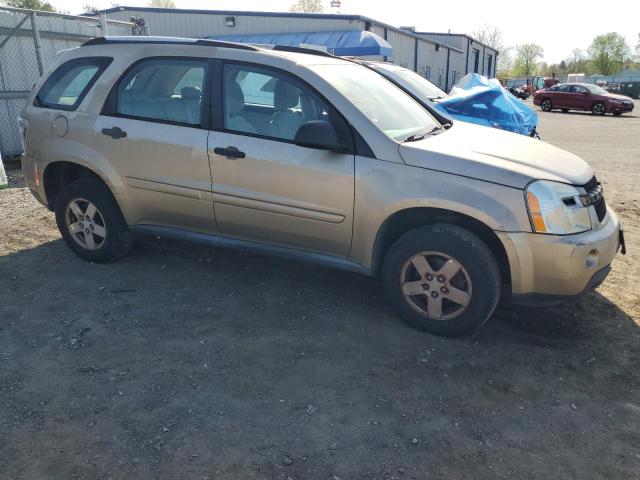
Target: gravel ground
<point x="181" y="362"/>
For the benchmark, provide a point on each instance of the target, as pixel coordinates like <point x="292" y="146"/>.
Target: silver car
<point x="315" y="158"/>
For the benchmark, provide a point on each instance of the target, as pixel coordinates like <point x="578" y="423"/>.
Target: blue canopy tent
<point x="348" y="43"/>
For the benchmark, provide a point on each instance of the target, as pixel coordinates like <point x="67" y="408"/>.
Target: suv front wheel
<point x="90" y="221"/>
<point x="442" y="279"/>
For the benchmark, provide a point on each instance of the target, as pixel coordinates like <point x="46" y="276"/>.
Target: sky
<point x="544" y="26"/>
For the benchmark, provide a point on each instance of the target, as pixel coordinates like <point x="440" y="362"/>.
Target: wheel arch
<point x="408" y="219"/>
<point x="57" y="174"/>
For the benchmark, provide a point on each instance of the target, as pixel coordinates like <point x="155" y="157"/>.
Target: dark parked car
<point x="582" y="96"/>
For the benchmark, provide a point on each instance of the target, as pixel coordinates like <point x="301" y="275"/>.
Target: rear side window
<point x="164" y="89"/>
<point x="70" y="82"/>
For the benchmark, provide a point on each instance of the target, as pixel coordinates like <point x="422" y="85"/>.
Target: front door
<point x="267" y="188"/>
<point x="580" y="97"/>
<point x="153" y="133"/>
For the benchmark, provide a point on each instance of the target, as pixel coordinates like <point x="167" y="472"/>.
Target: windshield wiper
<point x="419" y="136"/>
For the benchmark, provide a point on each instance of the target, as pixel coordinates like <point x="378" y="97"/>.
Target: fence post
<point x="36" y="41"/>
<point x="104" y="26"/>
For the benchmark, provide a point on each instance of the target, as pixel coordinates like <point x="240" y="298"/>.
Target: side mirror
<point x="319" y="134"/>
<point x="585" y="93"/>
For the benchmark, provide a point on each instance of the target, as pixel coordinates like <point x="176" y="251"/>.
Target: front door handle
<point x="230" y="152"/>
<point x="114" y="132"/>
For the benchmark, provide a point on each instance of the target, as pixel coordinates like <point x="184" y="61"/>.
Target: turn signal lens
<point x="536" y="213"/>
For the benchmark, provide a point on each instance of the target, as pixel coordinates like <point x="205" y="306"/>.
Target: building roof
<point x="341" y="43"/>
<point x="449" y="34"/>
<point x="240" y="13"/>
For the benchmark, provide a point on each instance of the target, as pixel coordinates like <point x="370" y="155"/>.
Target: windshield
<point x="417" y="85"/>
<point x="393" y="111"/>
<point x="596" y="90"/>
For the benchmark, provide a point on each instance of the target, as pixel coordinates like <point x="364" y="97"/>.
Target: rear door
<point x="153" y="131"/>
<point x="561" y="97"/>
<point x="265" y="187"/>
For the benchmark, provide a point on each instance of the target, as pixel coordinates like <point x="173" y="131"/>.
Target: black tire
<point x="470" y="252"/>
<point x="565" y="110"/>
<point x="617" y="114"/>
<point x="546" y="105"/>
<point x="598" y="109"/>
<point x="118" y="240"/>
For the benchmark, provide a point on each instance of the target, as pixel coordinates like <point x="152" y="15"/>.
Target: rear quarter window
<point x="70" y="82"/>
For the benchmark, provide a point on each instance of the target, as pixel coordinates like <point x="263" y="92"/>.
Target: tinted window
<point x="68" y="85"/>
<point x="167" y="90"/>
<point x="563" y="88"/>
<point x="578" y="89"/>
<point x="269" y="103"/>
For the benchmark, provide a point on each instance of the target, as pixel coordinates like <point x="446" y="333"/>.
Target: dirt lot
<point x="186" y="363"/>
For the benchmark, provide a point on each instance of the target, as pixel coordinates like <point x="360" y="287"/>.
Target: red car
<point x="582" y="96"/>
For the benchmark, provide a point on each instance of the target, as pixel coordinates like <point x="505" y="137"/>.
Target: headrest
<point x="235" y="98"/>
<point x="285" y="95"/>
<point x="191" y="92"/>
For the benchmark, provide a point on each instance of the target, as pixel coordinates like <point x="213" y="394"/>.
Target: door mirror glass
<point x="319" y="134"/>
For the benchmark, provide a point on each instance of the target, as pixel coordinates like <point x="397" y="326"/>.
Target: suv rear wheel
<point x="442" y="279"/>
<point x="90" y="221"/>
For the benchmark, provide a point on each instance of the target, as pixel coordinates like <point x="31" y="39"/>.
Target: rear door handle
<point x="114" y="132"/>
<point x="230" y="152"/>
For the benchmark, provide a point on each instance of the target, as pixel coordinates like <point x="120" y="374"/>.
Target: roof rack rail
<point x="167" y="41"/>
<point x="310" y="51"/>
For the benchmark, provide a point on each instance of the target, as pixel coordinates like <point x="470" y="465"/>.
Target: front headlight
<point x="556" y="208"/>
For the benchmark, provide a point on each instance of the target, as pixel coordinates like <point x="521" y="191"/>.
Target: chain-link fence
<point x="29" y="40"/>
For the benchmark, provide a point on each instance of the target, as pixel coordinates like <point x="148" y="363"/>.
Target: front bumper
<point x="561" y="266"/>
<point x="625" y="107"/>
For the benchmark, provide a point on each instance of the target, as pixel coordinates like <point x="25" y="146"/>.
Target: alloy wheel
<point x="85" y="224"/>
<point x="546" y="105"/>
<point x="598" y="109"/>
<point x="436" y="285"/>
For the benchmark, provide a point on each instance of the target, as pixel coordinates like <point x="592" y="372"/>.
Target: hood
<point x="616" y="96"/>
<point x="495" y="156"/>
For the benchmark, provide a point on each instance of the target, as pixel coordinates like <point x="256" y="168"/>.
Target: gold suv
<point x="315" y="158"/>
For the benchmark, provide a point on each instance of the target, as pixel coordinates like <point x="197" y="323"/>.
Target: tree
<point x="162" y="3"/>
<point x="576" y="61"/>
<point x="527" y="56"/>
<point x="563" y="67"/>
<point x="31" y="5"/>
<point x="505" y="62"/>
<point x="608" y="53"/>
<point x="307" y="6"/>
<point x="90" y="10"/>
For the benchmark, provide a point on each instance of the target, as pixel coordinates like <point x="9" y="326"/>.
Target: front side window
<point x="268" y="103"/>
<point x="165" y="90"/>
<point x="68" y="85"/>
<point x="388" y="107"/>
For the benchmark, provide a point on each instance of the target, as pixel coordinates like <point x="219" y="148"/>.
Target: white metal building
<point x="442" y="62"/>
<point x="478" y="57"/>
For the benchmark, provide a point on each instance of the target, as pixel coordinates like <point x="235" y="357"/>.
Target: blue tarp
<point x="476" y="99"/>
<point x="349" y="43"/>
